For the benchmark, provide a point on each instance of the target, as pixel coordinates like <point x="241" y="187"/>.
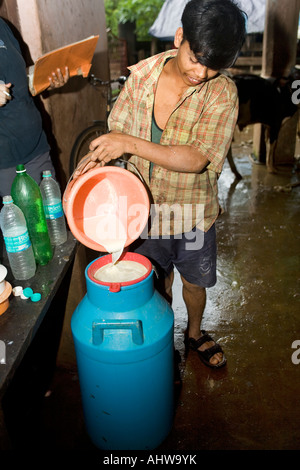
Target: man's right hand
<point x="5" y="93"/>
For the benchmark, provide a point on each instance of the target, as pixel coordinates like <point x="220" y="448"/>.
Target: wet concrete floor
<point x="252" y="403"/>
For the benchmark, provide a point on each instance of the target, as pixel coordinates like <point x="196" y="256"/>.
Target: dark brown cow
<point x="265" y="101"/>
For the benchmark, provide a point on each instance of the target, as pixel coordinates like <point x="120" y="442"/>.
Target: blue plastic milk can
<point x="123" y="336"/>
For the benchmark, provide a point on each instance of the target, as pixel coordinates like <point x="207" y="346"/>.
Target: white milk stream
<point x="116" y="271"/>
<point x="119" y="271"/>
<point x="106" y="229"/>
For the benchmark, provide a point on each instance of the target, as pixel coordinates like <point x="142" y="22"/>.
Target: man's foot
<point x="209" y="352"/>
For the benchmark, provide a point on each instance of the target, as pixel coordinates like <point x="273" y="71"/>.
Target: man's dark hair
<point x="215" y="31"/>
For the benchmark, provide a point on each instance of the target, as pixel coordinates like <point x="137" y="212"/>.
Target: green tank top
<point x="156" y="133"/>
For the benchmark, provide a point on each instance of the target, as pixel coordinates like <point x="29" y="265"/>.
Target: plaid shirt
<point x="204" y="118"/>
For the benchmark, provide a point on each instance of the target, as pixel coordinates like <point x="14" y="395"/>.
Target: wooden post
<point x="280" y="37"/>
<point x="278" y="58"/>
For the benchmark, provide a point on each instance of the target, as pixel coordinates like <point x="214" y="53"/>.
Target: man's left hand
<point x="57" y="79"/>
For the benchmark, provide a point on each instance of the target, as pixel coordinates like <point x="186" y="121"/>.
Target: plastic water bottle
<point x="17" y="242"/>
<point x="53" y="209"/>
<point x="27" y="195"/>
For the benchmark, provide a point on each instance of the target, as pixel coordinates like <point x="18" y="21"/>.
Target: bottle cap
<point x="27" y="292"/>
<point x="7" y="199"/>
<point x="18" y="290"/>
<point x="46" y="173"/>
<point x="36" y="297"/>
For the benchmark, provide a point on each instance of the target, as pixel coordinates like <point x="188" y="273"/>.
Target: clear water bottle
<point x="17" y="242"/>
<point x="53" y="209"/>
<point x="27" y="195"/>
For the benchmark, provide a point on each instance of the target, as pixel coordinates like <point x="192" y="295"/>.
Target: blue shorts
<point x="194" y="255"/>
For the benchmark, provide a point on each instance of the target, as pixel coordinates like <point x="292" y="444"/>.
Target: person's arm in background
<point x="4" y="93"/>
<point x="56" y="80"/>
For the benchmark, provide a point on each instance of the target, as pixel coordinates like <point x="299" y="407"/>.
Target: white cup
<point x="3" y="274"/>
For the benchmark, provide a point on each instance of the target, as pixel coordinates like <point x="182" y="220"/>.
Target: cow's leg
<point x="270" y="152"/>
<point x="271" y="158"/>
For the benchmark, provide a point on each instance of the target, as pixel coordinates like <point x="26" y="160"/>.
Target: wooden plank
<point x="248" y="61"/>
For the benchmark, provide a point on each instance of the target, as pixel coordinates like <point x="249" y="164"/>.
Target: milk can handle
<point x="135" y="326"/>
